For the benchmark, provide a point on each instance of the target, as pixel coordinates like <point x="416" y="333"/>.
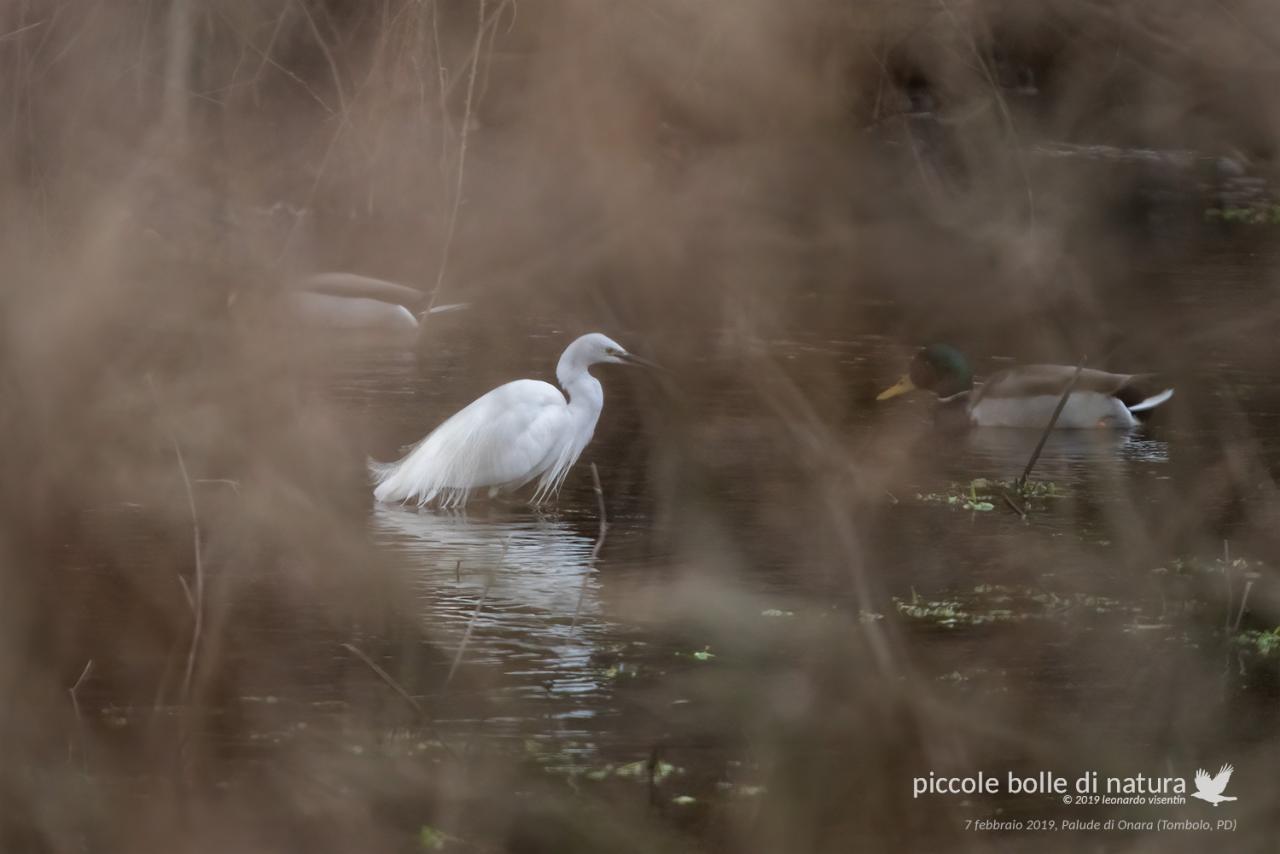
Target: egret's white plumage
<point x="354" y="302"/>
<point x="523" y="431"/>
<point x="327" y="311"/>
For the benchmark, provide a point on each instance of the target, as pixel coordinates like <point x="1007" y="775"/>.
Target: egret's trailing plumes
<point x="523" y="431"/>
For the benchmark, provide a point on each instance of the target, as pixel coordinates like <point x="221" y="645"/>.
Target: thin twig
<point x="75" y="704"/>
<point x="442" y="74"/>
<point x="15" y="33"/>
<point x="1244" y="600"/>
<point x="1008" y="499"/>
<point x="466" y="636"/>
<point x="195" y="599"/>
<point x="84" y="674"/>
<point x="462" y="158"/>
<point x="186" y="592"/>
<point x="595" y="550"/>
<point x="655" y="757"/>
<point x="1226" y="576"/>
<point x="328" y="57"/>
<point x="402" y="693"/>
<point x="386" y="677"/>
<point x="1010" y="128"/>
<point x="1044" y="437"/>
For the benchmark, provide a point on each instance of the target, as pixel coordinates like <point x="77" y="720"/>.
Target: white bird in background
<point x="518" y="432"/>
<point x="1210" y="788"/>
<point x="352" y="301"/>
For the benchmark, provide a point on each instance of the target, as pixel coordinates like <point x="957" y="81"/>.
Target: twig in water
<point x="1008" y="499"/>
<point x="1244" y="600"/>
<point x="466" y="636"/>
<point x="655" y="755"/>
<point x="194" y="599"/>
<point x="75" y="704"/>
<point x="402" y="693"/>
<point x="595" y="550"/>
<point x="386" y="677"/>
<point x="1053" y="420"/>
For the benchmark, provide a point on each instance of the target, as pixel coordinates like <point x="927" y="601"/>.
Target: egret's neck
<point x="586" y="395"/>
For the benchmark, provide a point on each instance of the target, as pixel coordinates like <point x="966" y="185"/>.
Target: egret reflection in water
<point x="531" y="576"/>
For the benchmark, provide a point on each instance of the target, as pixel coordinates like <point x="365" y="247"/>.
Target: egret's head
<point x="593" y="349"/>
<point x="938" y="368"/>
<point x="596" y="348"/>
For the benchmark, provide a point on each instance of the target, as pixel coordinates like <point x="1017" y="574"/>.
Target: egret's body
<point x="353" y="302"/>
<point x="522" y="431"/>
<point x="340" y="303"/>
<point x="326" y="311"/>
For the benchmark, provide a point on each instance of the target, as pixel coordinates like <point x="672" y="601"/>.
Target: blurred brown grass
<point x="670" y="167"/>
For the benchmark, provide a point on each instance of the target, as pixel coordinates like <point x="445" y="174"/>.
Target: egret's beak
<point x="902" y="386"/>
<point x="630" y="359"/>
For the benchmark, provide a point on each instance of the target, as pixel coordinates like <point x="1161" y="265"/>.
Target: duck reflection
<point x="534" y="575"/>
<point x="1005" y="452"/>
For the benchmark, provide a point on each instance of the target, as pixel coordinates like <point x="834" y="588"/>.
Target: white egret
<point x="352" y="301"/>
<point x="519" y="432"/>
<point x="345" y="302"/>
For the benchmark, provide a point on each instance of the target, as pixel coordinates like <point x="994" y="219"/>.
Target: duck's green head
<point x="938" y="368"/>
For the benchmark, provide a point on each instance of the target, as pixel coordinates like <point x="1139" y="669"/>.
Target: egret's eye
<point x="613" y="351"/>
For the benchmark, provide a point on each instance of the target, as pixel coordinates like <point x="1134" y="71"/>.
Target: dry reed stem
<point x="462" y="158"/>
<point x="195" y="598"/>
<point x="1053" y="419"/>
<point x="595" y="550"/>
<point x="466" y="635"/>
<point x="328" y="56"/>
<point x="73" y="692"/>
<point x="400" y="692"/>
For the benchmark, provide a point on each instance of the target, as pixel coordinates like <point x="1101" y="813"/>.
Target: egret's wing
<point x="505" y="437"/>
<point x="333" y="312"/>
<point x="1204" y="782"/>
<point x="355" y="286"/>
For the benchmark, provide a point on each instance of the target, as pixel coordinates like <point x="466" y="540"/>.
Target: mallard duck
<point x="1026" y="396"/>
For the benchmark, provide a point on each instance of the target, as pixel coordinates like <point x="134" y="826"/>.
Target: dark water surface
<point x="1066" y="627"/>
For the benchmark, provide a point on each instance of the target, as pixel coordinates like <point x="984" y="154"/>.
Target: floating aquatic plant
<point x="997" y="603"/>
<point x="1259" y="642"/>
<point x="983" y="494"/>
<point x="430" y="839"/>
<point x="704" y="654"/>
<point x="1262" y="214"/>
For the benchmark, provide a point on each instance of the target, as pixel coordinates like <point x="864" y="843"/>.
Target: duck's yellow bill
<point x="902" y="386"/>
